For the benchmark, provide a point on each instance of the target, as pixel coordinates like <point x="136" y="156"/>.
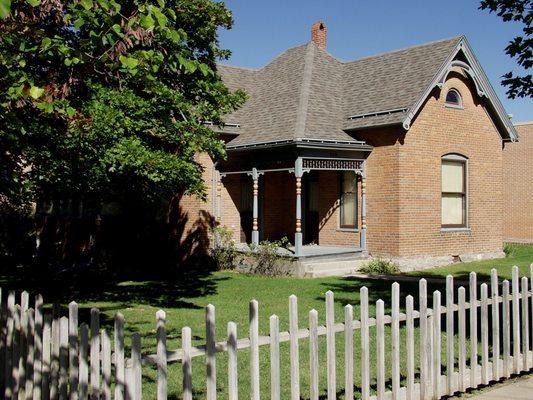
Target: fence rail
<point x="48" y="356"/>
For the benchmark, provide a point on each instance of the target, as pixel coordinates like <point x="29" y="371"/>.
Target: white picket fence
<point x="46" y="356"/>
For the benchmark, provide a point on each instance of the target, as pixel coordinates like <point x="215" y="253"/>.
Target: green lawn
<point x="184" y="301"/>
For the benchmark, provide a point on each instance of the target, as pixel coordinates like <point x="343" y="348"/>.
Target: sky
<point x="265" y="28"/>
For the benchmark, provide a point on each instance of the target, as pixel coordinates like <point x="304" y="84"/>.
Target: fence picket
<point x="516" y="320"/>
<point x="23" y="344"/>
<point x="30" y="355"/>
<point x="506" y="330"/>
<point x="365" y="343"/>
<point x="380" y="349"/>
<point x="275" y="383"/>
<point x="84" y="362"/>
<point x="450" y="336"/>
<point x="525" y="324"/>
<point x="47" y="357"/>
<point x="461" y="295"/>
<point x="313" y="354"/>
<point x="73" y="350"/>
<point x="254" y="349"/>
<point x="484" y="334"/>
<point x="495" y="324"/>
<point x="424" y="366"/>
<point x="210" y="359"/>
<point x="437" y="302"/>
<point x="63" y="358"/>
<point x="15" y="361"/>
<point x="106" y="364"/>
<point x="8" y="377"/>
<point x="473" y="330"/>
<point x="330" y="346"/>
<point x="120" y="378"/>
<point x="233" y="391"/>
<point x="348" y="352"/>
<point x="410" y="347"/>
<point x="136" y="370"/>
<point x="186" y="363"/>
<point x="3" y="333"/>
<point x="95" y="354"/>
<point x="294" y="351"/>
<point x="395" y="340"/>
<point x="162" y="352"/>
<point x="38" y="349"/>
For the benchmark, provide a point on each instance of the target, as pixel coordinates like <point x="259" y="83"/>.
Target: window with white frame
<point x="453" y="99"/>
<point x="348" y="200"/>
<point x="454" y="191"/>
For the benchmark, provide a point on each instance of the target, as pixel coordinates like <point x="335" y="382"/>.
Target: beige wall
<point x="518" y="187"/>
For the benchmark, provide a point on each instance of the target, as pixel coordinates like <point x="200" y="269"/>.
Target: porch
<point x="315" y="196"/>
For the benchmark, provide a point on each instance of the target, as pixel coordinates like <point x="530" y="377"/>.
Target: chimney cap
<point x="319" y="34"/>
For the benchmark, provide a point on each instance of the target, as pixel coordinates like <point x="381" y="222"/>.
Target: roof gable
<point x="305" y="93"/>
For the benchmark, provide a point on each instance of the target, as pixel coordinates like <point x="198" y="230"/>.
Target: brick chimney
<point x="319" y="34"/>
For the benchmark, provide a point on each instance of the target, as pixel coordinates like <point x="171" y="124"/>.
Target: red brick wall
<point x="404" y="180"/>
<point x="518" y="187"/>
<point x="436" y="131"/>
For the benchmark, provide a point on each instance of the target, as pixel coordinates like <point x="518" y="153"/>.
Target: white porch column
<point x="255" y="225"/>
<point x="298" y="237"/>
<point x="363" y="208"/>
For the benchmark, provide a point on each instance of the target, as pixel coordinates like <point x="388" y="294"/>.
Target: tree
<point x="521" y="47"/>
<point x="106" y="102"/>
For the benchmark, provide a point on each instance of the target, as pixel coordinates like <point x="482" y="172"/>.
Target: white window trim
<point x="464" y="159"/>
<point x="452" y="105"/>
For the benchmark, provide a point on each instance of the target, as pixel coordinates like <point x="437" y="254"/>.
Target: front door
<point x="311" y="197"/>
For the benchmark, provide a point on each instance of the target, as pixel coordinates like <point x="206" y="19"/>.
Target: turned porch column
<point x="255" y="224"/>
<point x="363" y="207"/>
<point x="218" y="196"/>
<point x="298" y="237"/>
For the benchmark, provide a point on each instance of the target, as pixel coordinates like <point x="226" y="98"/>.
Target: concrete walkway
<point x="522" y="389"/>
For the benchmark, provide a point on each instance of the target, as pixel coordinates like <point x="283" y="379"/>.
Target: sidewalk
<point x="519" y="390"/>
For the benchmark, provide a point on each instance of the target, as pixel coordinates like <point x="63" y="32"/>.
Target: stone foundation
<point x="407" y="264"/>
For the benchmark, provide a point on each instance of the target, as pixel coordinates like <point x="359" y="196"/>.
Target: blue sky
<point x="356" y="28"/>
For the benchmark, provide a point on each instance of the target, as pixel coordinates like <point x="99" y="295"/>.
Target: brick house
<point x="396" y="155"/>
<point x="518" y="187"/>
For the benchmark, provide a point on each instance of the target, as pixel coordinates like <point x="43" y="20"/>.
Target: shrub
<point x="224" y="251"/>
<point x="267" y="258"/>
<point x="378" y="266"/>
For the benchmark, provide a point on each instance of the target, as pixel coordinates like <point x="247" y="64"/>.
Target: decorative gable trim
<point x="483" y="88"/>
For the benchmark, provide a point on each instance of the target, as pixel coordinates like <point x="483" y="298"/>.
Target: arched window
<point x="453" y="99"/>
<point x="454" y="206"/>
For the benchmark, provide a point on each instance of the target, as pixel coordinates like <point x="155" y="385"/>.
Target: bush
<point x="378" y="266"/>
<point x="267" y="258"/>
<point x="508" y="249"/>
<point x="224" y="251"/>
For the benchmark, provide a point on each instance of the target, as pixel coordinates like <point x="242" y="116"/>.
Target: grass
<point x="184" y="300"/>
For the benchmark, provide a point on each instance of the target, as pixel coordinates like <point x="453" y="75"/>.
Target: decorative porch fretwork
<point x="331" y="164"/>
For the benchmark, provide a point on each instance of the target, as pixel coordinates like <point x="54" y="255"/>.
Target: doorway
<point x="311" y="206"/>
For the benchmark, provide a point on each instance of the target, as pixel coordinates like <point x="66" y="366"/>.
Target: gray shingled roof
<point x="307" y="93"/>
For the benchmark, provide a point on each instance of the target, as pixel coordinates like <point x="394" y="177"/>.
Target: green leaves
<point x="129" y="62"/>
<point x="125" y="95"/>
<point x="5" y="6"/>
<point x="33" y="3"/>
<point x="36" y="92"/>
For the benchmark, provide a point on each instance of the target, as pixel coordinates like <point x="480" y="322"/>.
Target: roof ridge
<point x="458" y="37"/>
<point x="303" y="101"/>
<point x="270" y="62"/>
<point x="523" y="123"/>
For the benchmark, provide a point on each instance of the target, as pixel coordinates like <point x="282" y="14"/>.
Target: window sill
<point x="457" y="107"/>
<point x="465" y="230"/>
<point x="353" y="230"/>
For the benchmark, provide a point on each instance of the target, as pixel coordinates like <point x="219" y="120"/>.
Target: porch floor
<point x="311" y="250"/>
